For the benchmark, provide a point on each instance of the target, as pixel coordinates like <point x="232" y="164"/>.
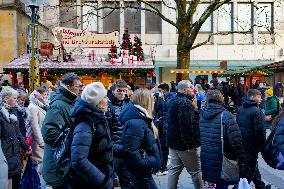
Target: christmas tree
<point x="137" y="49"/>
<point x="126" y="43"/>
<point x="112" y="52"/>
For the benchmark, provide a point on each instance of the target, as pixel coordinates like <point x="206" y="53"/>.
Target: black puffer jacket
<point x="91" y="149"/>
<point x="251" y="122"/>
<point x="140" y="149"/>
<point x="114" y="109"/>
<point x="211" y="144"/>
<point x="11" y="140"/>
<point x="183" y="131"/>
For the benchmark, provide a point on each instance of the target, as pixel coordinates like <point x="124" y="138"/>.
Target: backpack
<point x="271" y="154"/>
<point x="62" y="153"/>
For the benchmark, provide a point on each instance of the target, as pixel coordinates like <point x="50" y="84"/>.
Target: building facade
<point x="14" y="35"/>
<point x="265" y="18"/>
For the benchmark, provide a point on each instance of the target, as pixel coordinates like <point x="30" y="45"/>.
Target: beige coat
<point x="36" y="115"/>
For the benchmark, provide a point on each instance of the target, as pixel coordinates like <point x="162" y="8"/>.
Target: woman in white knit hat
<point x="91" y="149"/>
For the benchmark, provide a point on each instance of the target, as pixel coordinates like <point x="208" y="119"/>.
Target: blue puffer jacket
<point x="140" y="148"/>
<point x="91" y="149"/>
<point x="251" y="122"/>
<point x="279" y="135"/>
<point x="211" y="145"/>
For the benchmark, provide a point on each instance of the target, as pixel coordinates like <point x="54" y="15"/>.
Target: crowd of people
<point x="124" y="135"/>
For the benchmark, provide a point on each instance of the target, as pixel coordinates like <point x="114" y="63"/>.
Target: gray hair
<point x="8" y="92"/>
<point x="183" y="84"/>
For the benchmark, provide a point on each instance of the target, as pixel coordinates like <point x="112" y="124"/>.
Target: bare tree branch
<point x="191" y="10"/>
<point x="198" y="24"/>
<point x="168" y="6"/>
<point x="218" y="33"/>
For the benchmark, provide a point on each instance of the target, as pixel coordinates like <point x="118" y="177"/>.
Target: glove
<point x="244" y="171"/>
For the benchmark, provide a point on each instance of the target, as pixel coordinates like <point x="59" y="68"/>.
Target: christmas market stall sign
<point x="73" y="38"/>
<point x="253" y="72"/>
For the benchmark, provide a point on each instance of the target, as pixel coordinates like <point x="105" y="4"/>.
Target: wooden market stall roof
<point x="273" y="66"/>
<point x="80" y="63"/>
<point x="253" y="72"/>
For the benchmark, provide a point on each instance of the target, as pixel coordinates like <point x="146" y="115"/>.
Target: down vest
<point x="140" y="148"/>
<point x="211" y="144"/>
<point x="91" y="149"/>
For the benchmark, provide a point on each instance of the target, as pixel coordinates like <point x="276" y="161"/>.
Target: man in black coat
<point x="251" y="122"/>
<point x="183" y="136"/>
<point x="118" y="101"/>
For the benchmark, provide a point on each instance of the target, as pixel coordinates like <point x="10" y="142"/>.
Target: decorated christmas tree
<point x="112" y="52"/>
<point x="126" y="43"/>
<point x="137" y="49"/>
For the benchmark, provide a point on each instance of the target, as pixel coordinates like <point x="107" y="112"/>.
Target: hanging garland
<point x="240" y="73"/>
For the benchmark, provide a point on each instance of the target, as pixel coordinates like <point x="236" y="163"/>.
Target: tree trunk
<point x="183" y="58"/>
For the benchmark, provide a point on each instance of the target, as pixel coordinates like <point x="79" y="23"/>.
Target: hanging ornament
<point x="153" y="73"/>
<point x="45" y="73"/>
<point x="11" y="73"/>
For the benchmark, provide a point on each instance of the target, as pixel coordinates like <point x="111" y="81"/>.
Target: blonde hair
<point x="144" y="98"/>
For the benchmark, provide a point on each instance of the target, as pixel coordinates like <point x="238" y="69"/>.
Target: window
<point x="264" y="15"/>
<point x="153" y="21"/>
<point x="244" y="16"/>
<point x="225" y="18"/>
<point x="68" y="14"/>
<point x="111" y="17"/>
<point x="89" y="20"/>
<point x="207" y="25"/>
<point x="132" y="18"/>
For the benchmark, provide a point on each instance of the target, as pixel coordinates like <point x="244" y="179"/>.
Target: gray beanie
<point x="94" y="93"/>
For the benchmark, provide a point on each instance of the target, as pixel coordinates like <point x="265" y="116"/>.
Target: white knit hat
<point x="94" y="93"/>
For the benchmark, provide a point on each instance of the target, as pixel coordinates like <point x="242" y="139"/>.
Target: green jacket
<point x="57" y="119"/>
<point x="271" y="106"/>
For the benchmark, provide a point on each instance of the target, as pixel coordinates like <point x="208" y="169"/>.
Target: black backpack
<point x="62" y="153"/>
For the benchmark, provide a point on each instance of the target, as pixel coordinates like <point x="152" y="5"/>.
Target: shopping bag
<point x="30" y="177"/>
<point x="243" y="184"/>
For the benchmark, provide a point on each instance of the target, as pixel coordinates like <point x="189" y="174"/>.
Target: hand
<point x="29" y="152"/>
<point x="268" y="118"/>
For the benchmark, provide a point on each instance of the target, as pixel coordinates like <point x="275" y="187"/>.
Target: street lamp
<point x="34" y="63"/>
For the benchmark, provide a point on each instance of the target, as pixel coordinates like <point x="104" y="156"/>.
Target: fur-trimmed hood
<point x="11" y="118"/>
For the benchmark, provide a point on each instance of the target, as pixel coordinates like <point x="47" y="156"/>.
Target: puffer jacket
<point x="251" y="123"/>
<point x="115" y="107"/>
<point x="279" y="135"/>
<point x="57" y="119"/>
<point x="271" y="106"/>
<point x="211" y="144"/>
<point x="12" y="140"/>
<point x="139" y="147"/>
<point x="183" y="131"/>
<point x="91" y="149"/>
<point x="4" y="169"/>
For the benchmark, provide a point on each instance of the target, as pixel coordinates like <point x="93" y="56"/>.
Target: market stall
<point x="250" y="76"/>
<point x="138" y="73"/>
